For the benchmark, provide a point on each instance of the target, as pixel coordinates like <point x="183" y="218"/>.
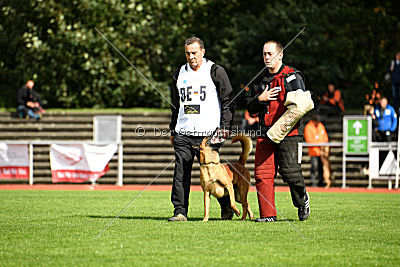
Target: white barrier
<point x="366" y="156"/>
<point x="384" y="172"/>
<point x="301" y="145"/>
<point x="38" y="142"/>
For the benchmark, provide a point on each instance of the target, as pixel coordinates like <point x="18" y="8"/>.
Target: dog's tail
<point x="247" y="146"/>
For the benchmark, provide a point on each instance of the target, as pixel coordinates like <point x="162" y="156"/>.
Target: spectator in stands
<point x="29" y="102"/>
<point x="394" y="70"/>
<point x="385" y="121"/>
<point x="372" y="100"/>
<point x="249" y="123"/>
<point x="315" y="132"/>
<point x="331" y="102"/>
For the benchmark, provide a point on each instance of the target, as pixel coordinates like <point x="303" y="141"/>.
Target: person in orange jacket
<point x="315" y="132"/>
<point x="249" y="122"/>
<point x="331" y="102"/>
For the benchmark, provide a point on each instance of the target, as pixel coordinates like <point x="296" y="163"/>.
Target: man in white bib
<point x="201" y="95"/>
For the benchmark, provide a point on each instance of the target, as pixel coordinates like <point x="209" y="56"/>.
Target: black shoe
<point x="226" y="213"/>
<point x="178" y="218"/>
<point x="304" y="211"/>
<point x="266" y="219"/>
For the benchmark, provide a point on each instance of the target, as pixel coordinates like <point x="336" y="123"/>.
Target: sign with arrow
<point x="357" y="126"/>
<point x="356" y="135"/>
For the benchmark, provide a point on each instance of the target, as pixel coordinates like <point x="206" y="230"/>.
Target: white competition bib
<point x="199" y="111"/>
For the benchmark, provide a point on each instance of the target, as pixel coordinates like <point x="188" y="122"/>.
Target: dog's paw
<point x="251" y="216"/>
<point x="236" y="210"/>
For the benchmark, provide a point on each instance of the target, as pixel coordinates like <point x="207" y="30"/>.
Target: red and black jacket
<point x="270" y="111"/>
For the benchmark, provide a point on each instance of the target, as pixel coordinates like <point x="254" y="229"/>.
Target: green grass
<point x="58" y="228"/>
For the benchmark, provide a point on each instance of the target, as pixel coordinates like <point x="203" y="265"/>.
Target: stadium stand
<point x="145" y="156"/>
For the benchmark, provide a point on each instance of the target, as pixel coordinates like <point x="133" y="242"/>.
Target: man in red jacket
<point x="279" y="98"/>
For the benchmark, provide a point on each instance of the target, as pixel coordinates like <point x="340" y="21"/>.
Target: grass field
<point x="59" y="228"/>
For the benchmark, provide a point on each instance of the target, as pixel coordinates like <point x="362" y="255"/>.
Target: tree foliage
<point x="56" y="44"/>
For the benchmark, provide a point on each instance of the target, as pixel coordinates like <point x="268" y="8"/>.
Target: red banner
<point x="76" y="176"/>
<point x="79" y="163"/>
<point x="13" y="172"/>
<point x="14" y="161"/>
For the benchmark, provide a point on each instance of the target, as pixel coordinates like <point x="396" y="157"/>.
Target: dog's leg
<point x="243" y="182"/>
<point x="245" y="204"/>
<point x="249" y="211"/>
<point x="206" y="205"/>
<point x="232" y="198"/>
<point x="246" y="191"/>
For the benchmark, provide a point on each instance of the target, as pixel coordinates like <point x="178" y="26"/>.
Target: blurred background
<point x="54" y="43"/>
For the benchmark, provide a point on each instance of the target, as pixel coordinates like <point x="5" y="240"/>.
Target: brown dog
<point x="219" y="180"/>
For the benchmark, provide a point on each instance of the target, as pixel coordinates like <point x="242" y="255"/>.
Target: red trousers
<point x="264" y="173"/>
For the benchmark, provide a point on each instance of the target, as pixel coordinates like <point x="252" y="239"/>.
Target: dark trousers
<point x="290" y="168"/>
<point x="396" y="96"/>
<point x="184" y="157"/>
<point x="382" y="136"/>
<point x="316" y="171"/>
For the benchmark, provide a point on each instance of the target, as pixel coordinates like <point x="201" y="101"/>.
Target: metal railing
<point x="301" y="145"/>
<point x="31" y="143"/>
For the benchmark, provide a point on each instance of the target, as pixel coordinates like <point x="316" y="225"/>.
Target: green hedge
<point x="56" y="44"/>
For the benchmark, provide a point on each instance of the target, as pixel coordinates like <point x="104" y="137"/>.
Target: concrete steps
<point x="146" y="146"/>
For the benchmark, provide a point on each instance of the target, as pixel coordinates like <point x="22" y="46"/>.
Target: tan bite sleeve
<point x="298" y="103"/>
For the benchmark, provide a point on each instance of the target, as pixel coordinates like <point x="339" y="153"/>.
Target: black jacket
<point x="224" y="92"/>
<point x="395" y="73"/>
<point x="25" y="95"/>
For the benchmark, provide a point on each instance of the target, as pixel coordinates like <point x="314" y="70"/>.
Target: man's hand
<point x="171" y="140"/>
<point x="30" y="104"/>
<point x="251" y="121"/>
<point x="268" y="95"/>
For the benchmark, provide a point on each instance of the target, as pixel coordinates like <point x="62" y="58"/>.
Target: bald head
<point x="272" y="54"/>
<point x="29" y="84"/>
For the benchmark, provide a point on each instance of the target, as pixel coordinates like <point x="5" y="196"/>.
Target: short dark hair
<point x="279" y="46"/>
<point x="193" y="40"/>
